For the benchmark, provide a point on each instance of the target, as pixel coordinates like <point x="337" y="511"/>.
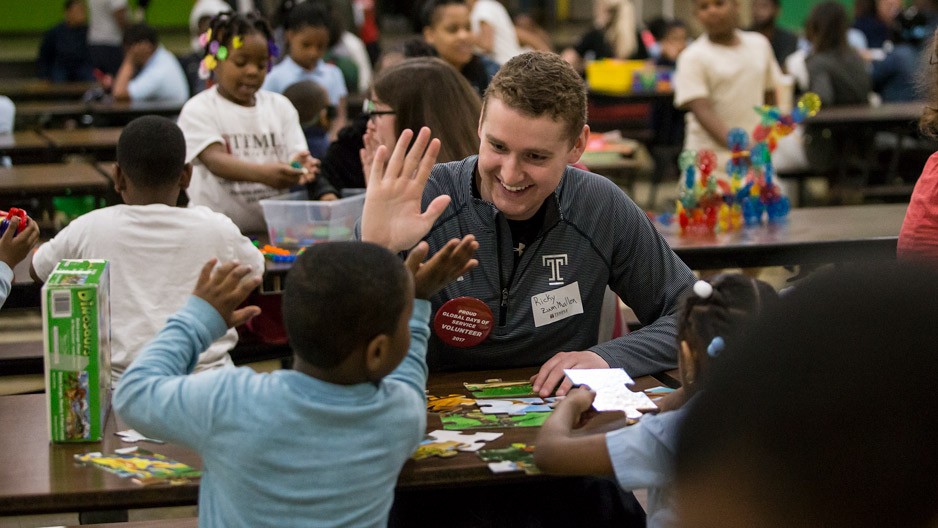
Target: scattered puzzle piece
<point x="521" y="455"/>
<point x="440" y="449"/>
<point x="468" y="442"/>
<point x="453" y="402"/>
<point x="478" y="420"/>
<point x="500" y="389"/>
<point x="132" y="436"/>
<point x="515" y="406"/>
<point x="612" y="392"/>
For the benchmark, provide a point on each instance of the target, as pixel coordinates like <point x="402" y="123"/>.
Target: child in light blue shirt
<point x="320" y="445"/>
<point x="307" y="37"/>
<point x="641" y="455"/>
<point x="13" y="249"/>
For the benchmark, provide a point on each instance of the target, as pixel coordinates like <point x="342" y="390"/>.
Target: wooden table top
<point x="79" y="138"/>
<point x="42" y="90"/>
<point x="36" y="477"/>
<point x="887" y="113"/>
<point x="814" y="235"/>
<point x="25" y="139"/>
<point x="51" y="177"/>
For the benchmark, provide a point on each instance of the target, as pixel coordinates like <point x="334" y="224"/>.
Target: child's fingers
<point x="11" y="230"/>
<point x="232" y="281"/>
<point x="31" y="233"/>
<point x="206" y="274"/>
<point x="416" y="257"/>
<point x="427" y="161"/>
<point x="243" y="315"/>
<point x="415" y="155"/>
<point x="377" y="164"/>
<point x="397" y="157"/>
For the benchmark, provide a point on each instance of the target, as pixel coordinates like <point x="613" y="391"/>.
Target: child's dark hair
<point x="823" y="415"/>
<point x="660" y="26"/>
<point x="341" y="295"/>
<point x="225" y="26"/>
<point x="826" y="27"/>
<point x="151" y="152"/>
<point x="140" y="33"/>
<point x="70" y="3"/>
<point x="429" y="13"/>
<point x="719" y="307"/>
<point x="308" y="14"/>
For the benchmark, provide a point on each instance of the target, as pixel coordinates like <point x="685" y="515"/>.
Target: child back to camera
<point x="641" y="455"/>
<point x="320" y="445"/>
<point x="239" y="138"/>
<point x="154" y="248"/>
<point x="721" y="76"/>
<point x="307" y="36"/>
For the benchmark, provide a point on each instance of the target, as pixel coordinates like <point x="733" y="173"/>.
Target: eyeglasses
<point x="368" y="107"/>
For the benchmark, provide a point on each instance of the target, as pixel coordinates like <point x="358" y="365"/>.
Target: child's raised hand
<point x="451" y="261"/>
<point x="227" y="288"/>
<point x="14" y="249"/>
<point x="280" y="175"/>
<point x="392" y="217"/>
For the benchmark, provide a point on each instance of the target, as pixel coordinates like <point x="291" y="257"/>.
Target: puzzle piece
<point x="521" y="455"/>
<point x="500" y="389"/>
<point x="453" y="402"/>
<point x="515" y="406"/>
<point x="469" y="442"/>
<point x="612" y="393"/>
<point x="478" y="420"/>
<point x="441" y="449"/>
<point x="132" y="436"/>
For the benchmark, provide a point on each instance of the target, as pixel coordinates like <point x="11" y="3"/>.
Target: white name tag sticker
<point x="555" y="305"/>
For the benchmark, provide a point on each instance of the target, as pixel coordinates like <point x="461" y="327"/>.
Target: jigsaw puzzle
<point x="500" y="389"/>
<point x="478" y="420"/>
<point x="516" y="405"/>
<point x="518" y="457"/>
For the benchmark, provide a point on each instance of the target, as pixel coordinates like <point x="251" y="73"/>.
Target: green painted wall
<point x="39" y="15"/>
<point x="794" y="12"/>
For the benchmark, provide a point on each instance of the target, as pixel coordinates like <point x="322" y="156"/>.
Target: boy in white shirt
<point x="155" y="249"/>
<point x="721" y="76"/>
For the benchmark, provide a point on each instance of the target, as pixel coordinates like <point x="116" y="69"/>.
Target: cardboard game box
<point x="76" y="327"/>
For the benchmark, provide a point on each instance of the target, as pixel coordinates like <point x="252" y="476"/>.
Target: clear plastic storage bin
<point x="293" y="221"/>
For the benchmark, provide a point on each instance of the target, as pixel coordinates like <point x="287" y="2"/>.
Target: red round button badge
<point x="463" y="322"/>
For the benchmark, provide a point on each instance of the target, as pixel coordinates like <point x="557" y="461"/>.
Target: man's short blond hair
<point x="538" y="83"/>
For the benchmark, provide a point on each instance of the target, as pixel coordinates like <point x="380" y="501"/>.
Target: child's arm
<point x="222" y="164"/>
<point x="391" y="216"/>
<point x="341" y="119"/>
<point x="154" y="395"/>
<point x="451" y="261"/>
<point x="709" y="120"/>
<point x="13" y="250"/>
<point x="557" y="451"/>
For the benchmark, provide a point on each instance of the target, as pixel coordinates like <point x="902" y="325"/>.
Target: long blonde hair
<point x="619" y="30"/>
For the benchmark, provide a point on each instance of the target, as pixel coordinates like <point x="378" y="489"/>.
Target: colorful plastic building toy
<point x="5" y="222"/>
<point x="708" y="205"/>
<point x="275" y="254"/>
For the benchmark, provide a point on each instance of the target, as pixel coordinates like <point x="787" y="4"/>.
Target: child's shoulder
<point x="753" y="38"/>
<point x="265" y="97"/>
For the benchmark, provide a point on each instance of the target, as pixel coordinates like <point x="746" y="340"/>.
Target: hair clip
<point x="237" y="41"/>
<point x="272" y="49"/>
<point x="222" y="53"/>
<point x="204" y="38"/>
<point x="203" y="71"/>
<point x="703" y="289"/>
<point x="715" y="347"/>
<point x="209" y="62"/>
<point x="213" y="47"/>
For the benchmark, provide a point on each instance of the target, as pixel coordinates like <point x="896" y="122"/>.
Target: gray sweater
<point x="593" y="235"/>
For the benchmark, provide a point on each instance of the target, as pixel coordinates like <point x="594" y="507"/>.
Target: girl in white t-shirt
<point x="245" y="144"/>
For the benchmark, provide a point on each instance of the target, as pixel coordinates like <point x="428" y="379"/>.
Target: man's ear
<point x="120" y="179"/>
<point x="579" y="146"/>
<point x="185" y="177"/>
<point x="375" y="352"/>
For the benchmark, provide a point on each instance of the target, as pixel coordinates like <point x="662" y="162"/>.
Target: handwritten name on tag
<point x="555" y="305"/>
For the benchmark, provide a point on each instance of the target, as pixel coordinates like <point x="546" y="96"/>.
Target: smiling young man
<point x="551" y="238"/>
